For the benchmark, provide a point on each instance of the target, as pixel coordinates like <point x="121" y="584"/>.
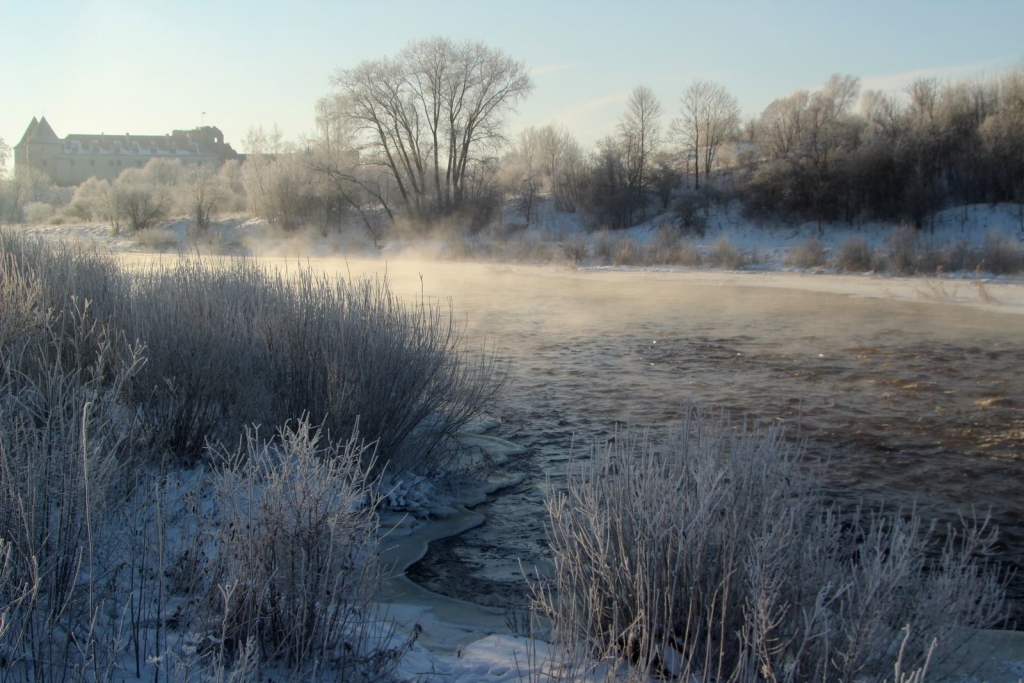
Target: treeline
<point x="138" y="198"/>
<point x="833" y="154"/>
<point x="903" y="159"/>
<point x="420" y="139"/>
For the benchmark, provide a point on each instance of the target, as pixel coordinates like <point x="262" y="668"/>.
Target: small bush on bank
<point x="627" y="252"/>
<point x="604" y="246"/>
<point x="1001" y="255"/>
<point x="66" y="442"/>
<point x="229" y="344"/>
<point x="692" y="211"/>
<point x="810" y="254"/>
<point x="903" y="250"/>
<point x="107" y="561"/>
<point x="574" y="248"/>
<point x="723" y="253"/>
<point x="296" y="568"/>
<point x="854" y="255"/>
<point x="37" y="213"/>
<point x="713" y="557"/>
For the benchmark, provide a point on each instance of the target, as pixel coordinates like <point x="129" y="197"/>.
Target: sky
<point x="148" y="66"/>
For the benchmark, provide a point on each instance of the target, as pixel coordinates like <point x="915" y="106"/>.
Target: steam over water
<point x="909" y="402"/>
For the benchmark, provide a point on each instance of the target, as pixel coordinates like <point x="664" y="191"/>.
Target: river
<point x="906" y="402"/>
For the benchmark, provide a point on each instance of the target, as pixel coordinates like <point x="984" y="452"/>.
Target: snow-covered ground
<point x="462" y="642"/>
<point x="766" y="244"/>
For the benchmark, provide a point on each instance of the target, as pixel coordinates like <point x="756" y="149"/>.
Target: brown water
<point x="912" y="403"/>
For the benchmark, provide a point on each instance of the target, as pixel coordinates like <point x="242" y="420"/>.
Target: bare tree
<point x="1003" y="133"/>
<point x="522" y="173"/>
<point x="429" y="115"/>
<point x="137" y="200"/>
<point x="344" y="182"/>
<point x="561" y="164"/>
<point x="710" y="115"/>
<point x="640" y="131"/>
<point x="203" y="191"/>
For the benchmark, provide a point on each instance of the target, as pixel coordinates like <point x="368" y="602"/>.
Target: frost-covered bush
<point x="628" y="252"/>
<point x="604" y="246"/>
<point x="712" y="556"/>
<point x="137" y="201"/>
<point x="230" y="343"/>
<point x="37" y="213"/>
<point x="809" y="254"/>
<point x="725" y="254"/>
<point x="295" y="569"/>
<point x="1001" y="254"/>
<point x="903" y="247"/>
<point x="854" y="255"/>
<point x="234" y="344"/>
<point x="91" y="201"/>
<point x="65" y="444"/>
<point x="574" y="248"/>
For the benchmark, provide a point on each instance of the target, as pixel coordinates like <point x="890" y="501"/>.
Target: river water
<point x="909" y="402"/>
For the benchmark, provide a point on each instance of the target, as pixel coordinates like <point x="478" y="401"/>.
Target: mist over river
<point x="910" y="402"/>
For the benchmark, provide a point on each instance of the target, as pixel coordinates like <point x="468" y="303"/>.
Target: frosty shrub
<point x="903" y="246"/>
<point x="137" y="201"/>
<point x="574" y="248"/>
<point x="854" y="255"/>
<point x="64" y="443"/>
<point x="296" y="566"/>
<point x="809" y="254"/>
<point x="529" y="249"/>
<point x="723" y="253"/>
<point x="628" y="252"/>
<point x="156" y="239"/>
<point x="692" y="210"/>
<point x="233" y="344"/>
<point x="37" y="213"/>
<point x="712" y="557"/>
<point x="665" y="246"/>
<point x="90" y="202"/>
<point x="229" y="343"/>
<point x="604" y="246"/>
<point x="1000" y="254"/>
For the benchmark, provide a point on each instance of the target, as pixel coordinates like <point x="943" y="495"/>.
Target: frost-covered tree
<point x="709" y="116"/>
<point x="431" y="115"/>
<point x="522" y="170"/>
<point x="640" y="133"/>
<point x="202" y="193"/>
<point x="344" y="182"/>
<point x="137" y="200"/>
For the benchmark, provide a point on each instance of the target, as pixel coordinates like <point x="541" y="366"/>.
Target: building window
<point x="118" y="162"/>
<point x="111" y="162"/>
<point x="139" y="162"/>
<point x="92" y="162"/>
<point x="72" y="162"/>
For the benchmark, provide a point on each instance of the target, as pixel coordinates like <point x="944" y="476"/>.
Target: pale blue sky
<point x="94" y="66"/>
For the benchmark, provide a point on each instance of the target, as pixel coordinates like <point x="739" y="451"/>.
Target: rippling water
<point x="909" y="402"/>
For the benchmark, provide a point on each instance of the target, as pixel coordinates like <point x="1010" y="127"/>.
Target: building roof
<point x="44" y="133"/>
<point x="38" y="131"/>
<point x="29" y="132"/>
